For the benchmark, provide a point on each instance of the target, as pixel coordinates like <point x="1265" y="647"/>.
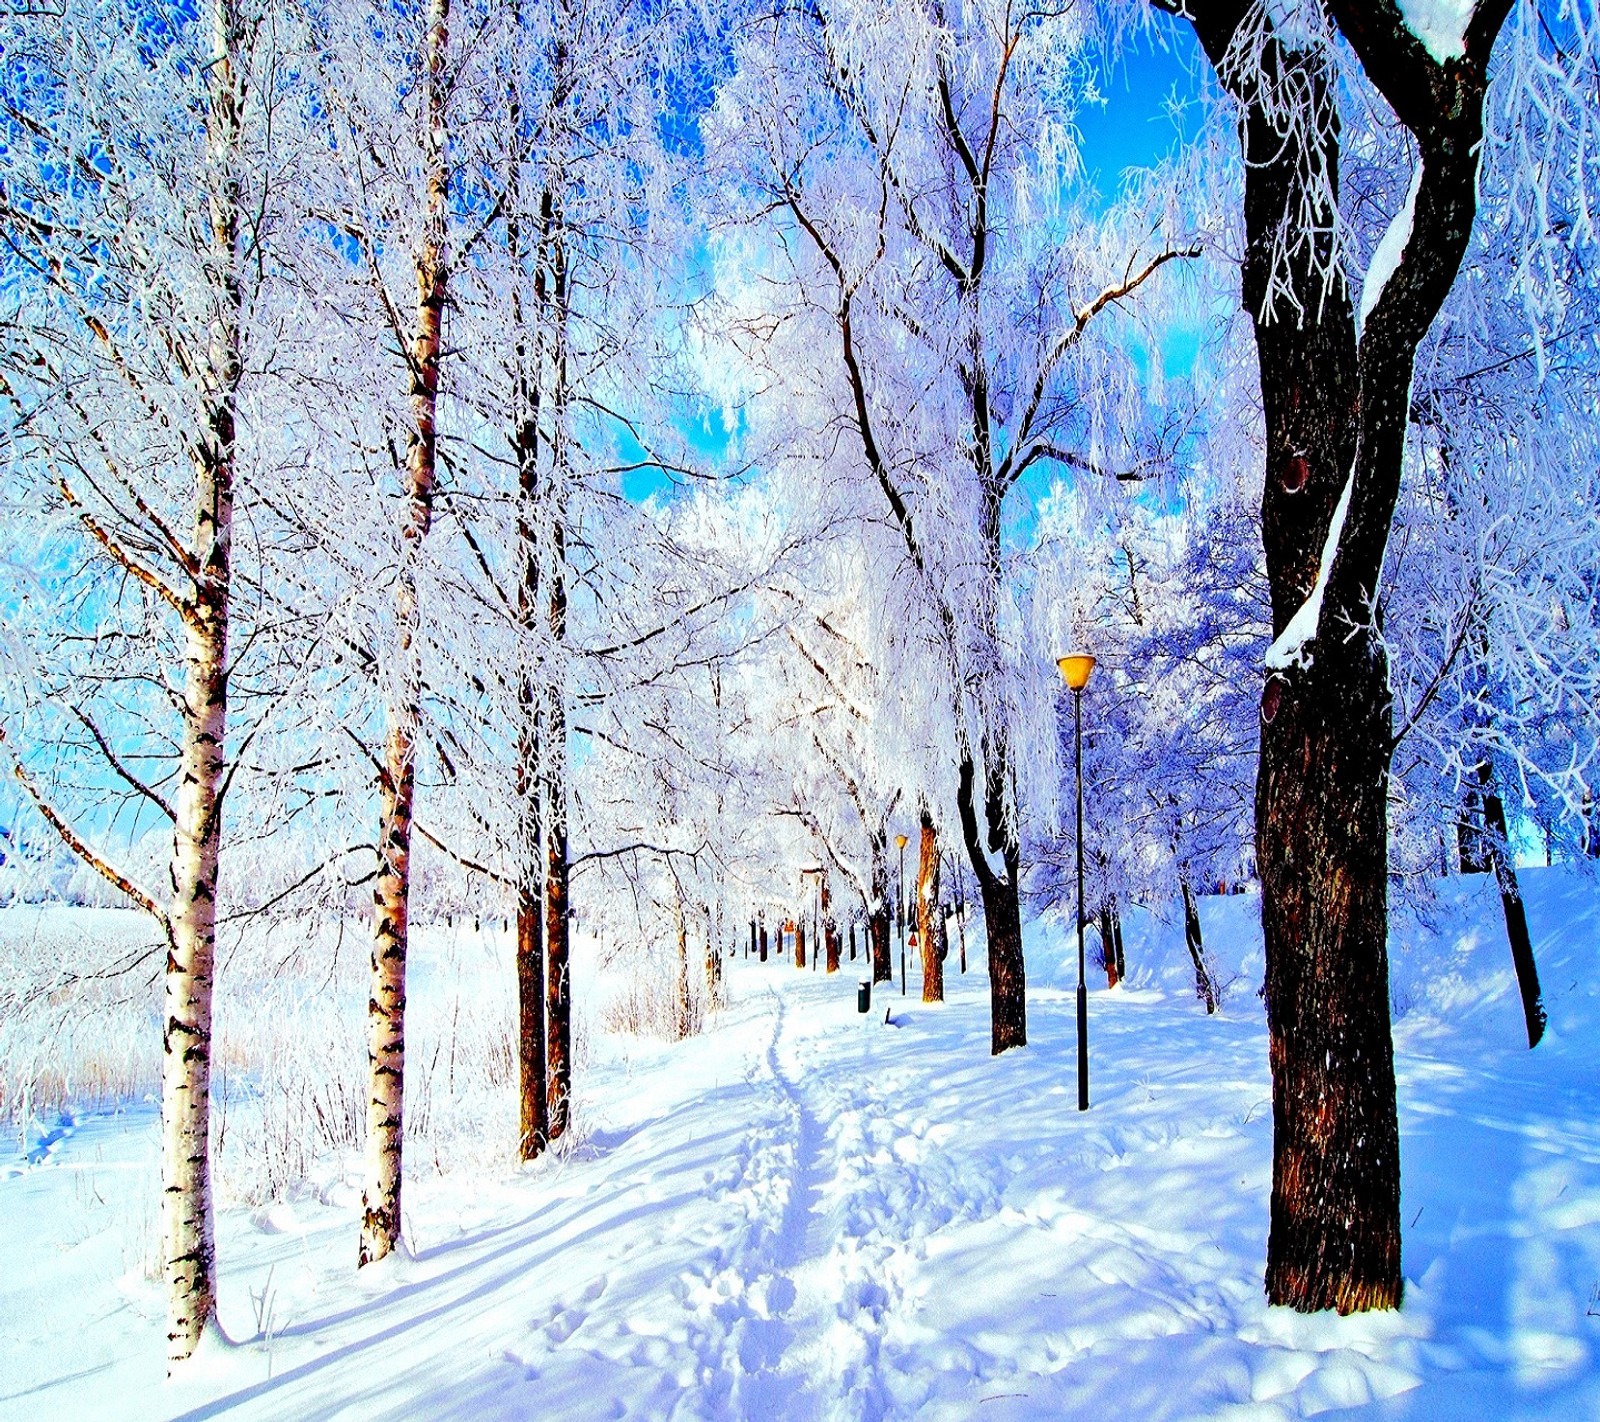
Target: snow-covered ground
<point x="809" y="1213"/>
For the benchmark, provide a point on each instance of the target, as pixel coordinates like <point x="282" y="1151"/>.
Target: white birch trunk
<point x="380" y="1206"/>
<point x="188" y="1242"/>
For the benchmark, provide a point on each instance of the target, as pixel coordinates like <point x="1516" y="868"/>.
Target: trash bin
<point x="864" y="995"/>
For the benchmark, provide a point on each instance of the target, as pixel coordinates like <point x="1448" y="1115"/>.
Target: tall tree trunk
<point x="830" y="929"/>
<point x="763" y="941"/>
<point x="878" y="911"/>
<point x="683" y="1005"/>
<point x="380" y="1204"/>
<point x="1002" y="909"/>
<point x="1204" y="989"/>
<point x="928" y="911"/>
<point x="533" y="1118"/>
<point x="713" y="961"/>
<point x="188" y="1246"/>
<point x="1505" y="872"/>
<point x="558" y="966"/>
<point x="533" y="1128"/>
<point x="1116" y="938"/>
<point x="557" y="956"/>
<point x="800" y="941"/>
<point x="961" y="930"/>
<point x="1336" y="402"/>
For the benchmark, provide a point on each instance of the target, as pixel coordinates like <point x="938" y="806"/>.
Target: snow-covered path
<point x="807" y="1213"/>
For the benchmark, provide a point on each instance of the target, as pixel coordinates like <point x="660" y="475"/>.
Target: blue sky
<point x="1134" y="127"/>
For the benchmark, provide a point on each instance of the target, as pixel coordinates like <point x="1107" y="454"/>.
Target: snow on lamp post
<point x="1075" y="671"/>
<point x="900" y="910"/>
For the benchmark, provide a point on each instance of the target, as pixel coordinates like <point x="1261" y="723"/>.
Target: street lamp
<point x="900" y="907"/>
<point x="1075" y="671"/>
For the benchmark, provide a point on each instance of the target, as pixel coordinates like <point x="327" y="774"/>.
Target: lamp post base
<point x="1083" y="1048"/>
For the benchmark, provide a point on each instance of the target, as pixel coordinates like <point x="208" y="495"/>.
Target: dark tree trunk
<point x="1505" y="873"/>
<point x="1007" y="985"/>
<point x="878" y="942"/>
<point x="558" y="970"/>
<point x="763" y="942"/>
<point x="533" y="1122"/>
<point x="928" y="913"/>
<point x="1002" y="910"/>
<point x="1321" y="844"/>
<point x="1116" y="938"/>
<point x="1108" y="945"/>
<point x="830" y="930"/>
<point x="1472" y="847"/>
<point x="878" y="911"/>
<point x="558" y="996"/>
<point x="800" y="942"/>
<point x="1203" y="986"/>
<point x="1336" y="411"/>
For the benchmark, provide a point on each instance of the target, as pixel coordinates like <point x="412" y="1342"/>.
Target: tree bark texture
<point x="1516" y="916"/>
<point x="188" y="1236"/>
<point x="1336" y="404"/>
<point x="830" y="929"/>
<point x="533" y="1115"/>
<point x="533" y="1128"/>
<point x="557" y="928"/>
<point x="878" y="911"/>
<point x="1204" y="989"/>
<point x="683" y="1005"/>
<point x="558" y="967"/>
<point x="800" y="942"/>
<point x="1108" y="945"/>
<point x="713" y="962"/>
<point x="928" y="911"/>
<point x="1002" y="910"/>
<point x="380" y="1205"/>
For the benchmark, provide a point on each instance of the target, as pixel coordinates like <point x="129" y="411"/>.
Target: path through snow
<point x="807" y="1213"/>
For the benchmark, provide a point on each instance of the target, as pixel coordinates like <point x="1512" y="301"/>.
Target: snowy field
<point x="805" y="1213"/>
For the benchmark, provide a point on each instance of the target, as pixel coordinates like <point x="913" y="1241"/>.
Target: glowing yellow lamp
<point x="1075" y="670"/>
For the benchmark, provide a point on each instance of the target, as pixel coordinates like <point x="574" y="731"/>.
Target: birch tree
<point x="137" y="193"/>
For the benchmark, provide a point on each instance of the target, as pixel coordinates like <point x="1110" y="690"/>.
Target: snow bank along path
<point x="810" y="1214"/>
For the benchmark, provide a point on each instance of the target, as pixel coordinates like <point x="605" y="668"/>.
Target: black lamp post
<point x="1075" y="671"/>
<point x="900" y="907"/>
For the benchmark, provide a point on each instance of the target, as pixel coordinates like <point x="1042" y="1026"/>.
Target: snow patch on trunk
<point x="1291" y="647"/>
<point x="1390" y="249"/>
<point x="1441" y="25"/>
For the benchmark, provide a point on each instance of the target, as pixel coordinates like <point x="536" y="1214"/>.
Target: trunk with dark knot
<point x="1335" y="399"/>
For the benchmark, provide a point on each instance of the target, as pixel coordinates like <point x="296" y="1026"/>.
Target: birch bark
<point x="187" y="1227"/>
<point x="380" y="1206"/>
